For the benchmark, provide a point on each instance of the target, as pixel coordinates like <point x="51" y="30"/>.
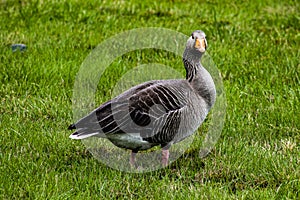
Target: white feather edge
<point x="79" y="137"/>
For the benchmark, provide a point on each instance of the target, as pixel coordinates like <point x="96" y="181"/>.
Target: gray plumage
<point x="160" y="112"/>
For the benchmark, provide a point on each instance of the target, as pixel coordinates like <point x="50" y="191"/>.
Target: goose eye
<point x="193" y="36"/>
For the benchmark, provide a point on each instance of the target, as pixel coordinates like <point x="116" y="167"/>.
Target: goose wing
<point x="151" y="109"/>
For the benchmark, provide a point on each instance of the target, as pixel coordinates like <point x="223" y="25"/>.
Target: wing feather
<point x="151" y="109"/>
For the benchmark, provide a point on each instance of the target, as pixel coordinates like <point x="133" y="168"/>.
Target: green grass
<point x="255" y="46"/>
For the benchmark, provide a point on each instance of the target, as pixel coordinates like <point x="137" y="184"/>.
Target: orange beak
<point x="200" y="44"/>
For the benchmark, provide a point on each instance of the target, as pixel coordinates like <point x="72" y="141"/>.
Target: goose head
<point x="197" y="42"/>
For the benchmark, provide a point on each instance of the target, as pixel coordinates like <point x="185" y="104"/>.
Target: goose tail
<point x="83" y="133"/>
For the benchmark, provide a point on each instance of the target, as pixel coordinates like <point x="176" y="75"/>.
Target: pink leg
<point x="132" y="159"/>
<point x="165" y="157"/>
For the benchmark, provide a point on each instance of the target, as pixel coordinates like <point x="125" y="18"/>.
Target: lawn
<point x="255" y="47"/>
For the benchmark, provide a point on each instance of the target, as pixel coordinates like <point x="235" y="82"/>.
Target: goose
<point x="155" y="113"/>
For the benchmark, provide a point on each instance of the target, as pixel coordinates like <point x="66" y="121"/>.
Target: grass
<point x="255" y="46"/>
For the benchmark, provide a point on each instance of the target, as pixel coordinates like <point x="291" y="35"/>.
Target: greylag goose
<point x="159" y="112"/>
